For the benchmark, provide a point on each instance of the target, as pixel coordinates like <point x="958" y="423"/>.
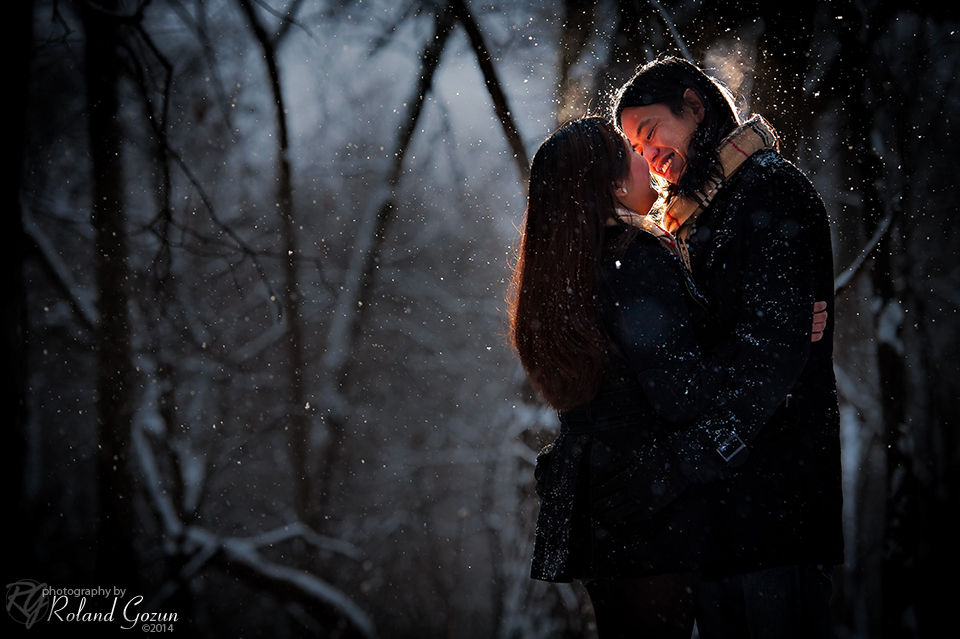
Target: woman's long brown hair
<point x="554" y="315"/>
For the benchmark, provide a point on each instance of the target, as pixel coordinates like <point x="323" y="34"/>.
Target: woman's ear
<point x="691" y="99"/>
<point x="618" y="193"/>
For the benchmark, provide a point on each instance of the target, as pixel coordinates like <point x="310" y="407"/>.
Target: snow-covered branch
<point x="200" y="546"/>
<point x="243" y="553"/>
<point x="672" y="28"/>
<point x="81" y="301"/>
<point x="883" y="229"/>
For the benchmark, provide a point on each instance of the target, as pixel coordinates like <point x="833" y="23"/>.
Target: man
<point x="756" y="238"/>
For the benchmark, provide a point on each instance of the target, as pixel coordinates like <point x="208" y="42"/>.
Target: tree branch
<point x="376" y="217"/>
<point x="490" y="78"/>
<point x="81" y="302"/>
<point x="199" y="546"/>
<point x="358" y="280"/>
<point x="845" y="279"/>
<point x="242" y="555"/>
<point x="672" y="28"/>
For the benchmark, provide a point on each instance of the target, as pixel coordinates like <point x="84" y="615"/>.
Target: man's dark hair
<point x="665" y="81"/>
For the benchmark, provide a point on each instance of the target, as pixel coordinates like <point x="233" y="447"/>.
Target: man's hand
<point x="819" y="321"/>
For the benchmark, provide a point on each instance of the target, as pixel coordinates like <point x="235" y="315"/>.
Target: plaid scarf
<point x="648" y="224"/>
<point x="753" y="135"/>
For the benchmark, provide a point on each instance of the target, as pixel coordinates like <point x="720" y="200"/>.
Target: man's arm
<point x="768" y="345"/>
<point x="771" y="338"/>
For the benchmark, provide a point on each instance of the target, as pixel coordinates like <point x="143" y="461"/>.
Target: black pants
<point x="657" y="607"/>
<point x="788" y="602"/>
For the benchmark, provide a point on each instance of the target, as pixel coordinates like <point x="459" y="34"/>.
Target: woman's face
<point x="636" y="192"/>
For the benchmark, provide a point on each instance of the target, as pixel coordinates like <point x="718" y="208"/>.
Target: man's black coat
<point x="761" y="254"/>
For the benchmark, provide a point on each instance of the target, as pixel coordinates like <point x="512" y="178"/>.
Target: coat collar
<point x="648" y="224"/>
<point x="753" y="135"/>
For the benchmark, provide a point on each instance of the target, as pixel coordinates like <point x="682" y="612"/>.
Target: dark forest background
<point x="257" y="258"/>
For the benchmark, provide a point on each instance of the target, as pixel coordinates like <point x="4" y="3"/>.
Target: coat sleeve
<point x="771" y="338"/>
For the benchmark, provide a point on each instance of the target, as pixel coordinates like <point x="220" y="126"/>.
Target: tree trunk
<point x="15" y="307"/>
<point x="116" y="559"/>
<point x="359" y="279"/>
<point x="296" y="411"/>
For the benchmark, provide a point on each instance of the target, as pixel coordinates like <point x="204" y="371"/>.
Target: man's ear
<point x="692" y="100"/>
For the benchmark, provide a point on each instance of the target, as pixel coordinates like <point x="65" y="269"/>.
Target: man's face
<point x="661" y="136"/>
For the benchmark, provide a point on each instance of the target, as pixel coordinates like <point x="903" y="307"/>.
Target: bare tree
<point x="14" y="312"/>
<point x="296" y="408"/>
<point x="117" y="560"/>
<point x="893" y="174"/>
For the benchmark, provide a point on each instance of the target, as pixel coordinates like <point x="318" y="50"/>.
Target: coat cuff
<point x="709" y="447"/>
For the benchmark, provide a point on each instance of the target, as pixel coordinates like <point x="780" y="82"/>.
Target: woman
<point x="602" y="314"/>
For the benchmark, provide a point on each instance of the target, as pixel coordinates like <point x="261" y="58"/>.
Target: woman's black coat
<point x="655" y="382"/>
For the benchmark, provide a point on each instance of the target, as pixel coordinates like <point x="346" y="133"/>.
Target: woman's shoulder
<point x="642" y="251"/>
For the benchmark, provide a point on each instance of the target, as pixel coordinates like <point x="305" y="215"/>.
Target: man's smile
<point x="664" y="166"/>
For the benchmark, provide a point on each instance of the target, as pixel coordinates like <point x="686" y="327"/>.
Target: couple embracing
<point x="696" y="474"/>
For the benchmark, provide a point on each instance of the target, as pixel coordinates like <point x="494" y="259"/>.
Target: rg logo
<point x="26" y="602"/>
